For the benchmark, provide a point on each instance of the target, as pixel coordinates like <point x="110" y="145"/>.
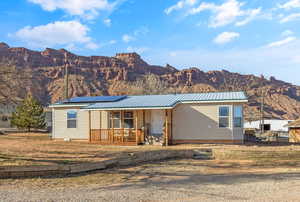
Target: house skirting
<point x="207" y="142"/>
<point x="71" y="140"/>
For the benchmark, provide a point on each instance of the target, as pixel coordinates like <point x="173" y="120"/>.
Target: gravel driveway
<point x="164" y="181"/>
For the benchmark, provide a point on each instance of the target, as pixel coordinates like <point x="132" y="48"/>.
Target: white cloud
<point x="107" y="22"/>
<point x="290" y="4"/>
<point x="281" y="61"/>
<point x="88" y="9"/>
<point x="173" y="54"/>
<point x="136" y="33"/>
<point x="281" y="42"/>
<point x="139" y="50"/>
<point x="226" y="13"/>
<point x="92" y="46"/>
<point x="108" y="43"/>
<point x="59" y="33"/>
<point x="251" y="15"/>
<point x="141" y="31"/>
<point x="112" y="42"/>
<point x="180" y="5"/>
<point x="287" y="33"/>
<point x="226" y="37"/>
<point x="127" y="38"/>
<point x="291" y="17"/>
<point x="223" y="14"/>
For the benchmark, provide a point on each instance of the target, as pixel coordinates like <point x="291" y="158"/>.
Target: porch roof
<point x="168" y="101"/>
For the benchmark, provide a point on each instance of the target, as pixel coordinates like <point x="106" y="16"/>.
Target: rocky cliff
<point x="127" y="73"/>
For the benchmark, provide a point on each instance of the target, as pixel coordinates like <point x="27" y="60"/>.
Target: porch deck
<point x="111" y="128"/>
<point x="117" y="136"/>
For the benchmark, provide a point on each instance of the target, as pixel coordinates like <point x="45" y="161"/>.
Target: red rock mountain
<point x="127" y="73"/>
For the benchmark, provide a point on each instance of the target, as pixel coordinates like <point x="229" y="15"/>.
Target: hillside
<point x="127" y="73"/>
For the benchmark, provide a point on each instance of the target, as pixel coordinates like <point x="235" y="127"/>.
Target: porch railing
<point x="117" y="136"/>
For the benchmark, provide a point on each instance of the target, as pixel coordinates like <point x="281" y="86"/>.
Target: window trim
<point x="72" y="119"/>
<point x="111" y="119"/>
<point x="121" y="119"/>
<point x="131" y="118"/>
<point x="228" y="116"/>
<point x="233" y="116"/>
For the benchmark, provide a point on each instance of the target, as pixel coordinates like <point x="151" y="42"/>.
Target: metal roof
<point x="93" y="99"/>
<point x="294" y="124"/>
<point x="169" y="101"/>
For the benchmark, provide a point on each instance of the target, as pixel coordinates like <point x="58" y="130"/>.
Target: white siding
<point x="97" y="117"/>
<point x="60" y="130"/>
<point x="201" y="122"/>
<point x="190" y="122"/>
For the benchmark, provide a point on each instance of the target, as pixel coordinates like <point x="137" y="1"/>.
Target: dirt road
<point x="176" y="180"/>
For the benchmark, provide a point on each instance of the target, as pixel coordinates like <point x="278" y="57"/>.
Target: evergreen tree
<point x="28" y="115"/>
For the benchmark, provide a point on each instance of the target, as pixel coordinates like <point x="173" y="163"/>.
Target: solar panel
<point x="93" y="99"/>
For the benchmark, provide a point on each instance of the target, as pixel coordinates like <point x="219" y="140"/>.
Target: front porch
<point x="130" y="127"/>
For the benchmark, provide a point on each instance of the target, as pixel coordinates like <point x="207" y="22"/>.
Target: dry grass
<point x="153" y="172"/>
<point x="235" y="161"/>
<point x="38" y="149"/>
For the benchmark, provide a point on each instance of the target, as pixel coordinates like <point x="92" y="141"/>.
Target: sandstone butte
<point x="125" y="73"/>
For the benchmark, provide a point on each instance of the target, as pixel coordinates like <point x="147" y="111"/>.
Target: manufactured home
<point x="147" y="119"/>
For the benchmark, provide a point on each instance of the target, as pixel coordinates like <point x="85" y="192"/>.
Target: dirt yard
<point x="175" y="180"/>
<point x="38" y="149"/>
<point x="239" y="172"/>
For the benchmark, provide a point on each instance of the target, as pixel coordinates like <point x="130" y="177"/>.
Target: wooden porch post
<point x="90" y="130"/>
<point x="167" y="129"/>
<point x="144" y="127"/>
<point x="113" y="127"/>
<point x="136" y="128"/>
<point x="122" y="126"/>
<point x="100" y="125"/>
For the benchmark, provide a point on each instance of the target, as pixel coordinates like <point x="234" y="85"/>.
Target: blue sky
<point x="244" y="36"/>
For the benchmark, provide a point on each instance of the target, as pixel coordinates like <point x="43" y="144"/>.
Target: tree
<point x="29" y="114"/>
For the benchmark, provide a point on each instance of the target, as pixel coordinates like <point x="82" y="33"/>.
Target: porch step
<point x="203" y="154"/>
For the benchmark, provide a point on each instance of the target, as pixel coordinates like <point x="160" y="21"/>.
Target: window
<point x="121" y="119"/>
<point x="223" y="117"/>
<point x="71" y="119"/>
<point x="128" y="120"/>
<point x="115" y="120"/>
<point x="237" y="116"/>
<point x="267" y="127"/>
<point x="4" y="118"/>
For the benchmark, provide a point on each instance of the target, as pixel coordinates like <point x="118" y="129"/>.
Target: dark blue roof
<point x="94" y="99"/>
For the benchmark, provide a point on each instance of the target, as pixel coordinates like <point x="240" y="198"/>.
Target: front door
<point x="157" y="122"/>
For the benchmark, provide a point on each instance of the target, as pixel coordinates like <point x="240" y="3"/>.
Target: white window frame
<point x="122" y="119"/>
<point x="228" y="116"/>
<point x="131" y="118"/>
<point x="72" y="119"/>
<point x="233" y="116"/>
<point x="111" y="119"/>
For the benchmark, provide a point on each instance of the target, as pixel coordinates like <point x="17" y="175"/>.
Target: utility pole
<point x="66" y="78"/>
<point x="262" y="112"/>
